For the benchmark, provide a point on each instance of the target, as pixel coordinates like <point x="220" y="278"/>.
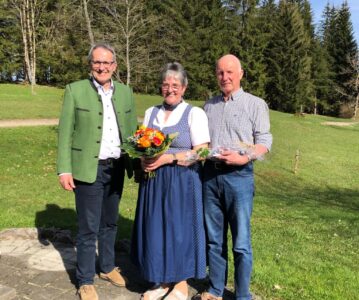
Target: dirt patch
<point x="339" y="123"/>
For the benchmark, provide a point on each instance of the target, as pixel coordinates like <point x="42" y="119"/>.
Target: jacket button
<point x="100" y="113"/>
<point x="98" y="142"/>
<point x="96" y="156"/>
<point x="99" y="127"/>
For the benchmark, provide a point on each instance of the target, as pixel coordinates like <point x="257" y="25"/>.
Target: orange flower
<point x="160" y="136"/>
<point x="144" y="142"/>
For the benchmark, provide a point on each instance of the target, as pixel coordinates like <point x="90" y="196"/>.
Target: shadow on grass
<point x="297" y="192"/>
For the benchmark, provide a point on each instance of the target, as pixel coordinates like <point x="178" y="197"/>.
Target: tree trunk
<point x="88" y="22"/>
<point x="356" y="107"/>
<point x="128" y="65"/>
<point x="32" y="40"/>
<point x="26" y="14"/>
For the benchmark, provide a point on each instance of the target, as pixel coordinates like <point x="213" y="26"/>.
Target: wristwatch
<point x="175" y="160"/>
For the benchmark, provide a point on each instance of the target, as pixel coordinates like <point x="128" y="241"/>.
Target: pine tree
<point x="322" y="78"/>
<point x="11" y="62"/>
<point x="345" y="52"/>
<point x="337" y="38"/>
<point x="290" y="88"/>
<point x="212" y="39"/>
<point x="194" y="33"/>
<point x="250" y="43"/>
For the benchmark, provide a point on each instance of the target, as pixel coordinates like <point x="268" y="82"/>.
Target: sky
<point x="318" y="8"/>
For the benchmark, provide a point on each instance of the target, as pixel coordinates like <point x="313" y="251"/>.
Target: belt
<point x="219" y="165"/>
<point x="109" y="161"/>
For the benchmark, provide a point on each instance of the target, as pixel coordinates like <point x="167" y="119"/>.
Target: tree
<point x="352" y="85"/>
<point x="337" y="39"/>
<point x="290" y="87"/>
<point x="64" y="43"/>
<point x="356" y="84"/>
<point x="129" y="25"/>
<point x="252" y="37"/>
<point x="28" y="13"/>
<point x="194" y="33"/>
<point x="322" y="78"/>
<point x="88" y="21"/>
<point x="344" y="53"/>
<point x="208" y="36"/>
<point x="11" y="62"/>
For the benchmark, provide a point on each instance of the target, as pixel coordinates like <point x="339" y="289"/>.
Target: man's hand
<point x="233" y="158"/>
<point x="67" y="182"/>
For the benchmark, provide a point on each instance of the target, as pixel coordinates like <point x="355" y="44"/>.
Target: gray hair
<point x="103" y="46"/>
<point x="175" y="70"/>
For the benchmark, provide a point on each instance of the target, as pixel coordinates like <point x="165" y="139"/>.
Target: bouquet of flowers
<point x="241" y="148"/>
<point x="147" y="142"/>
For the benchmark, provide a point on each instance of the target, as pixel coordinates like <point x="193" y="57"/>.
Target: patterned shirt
<point x="242" y="118"/>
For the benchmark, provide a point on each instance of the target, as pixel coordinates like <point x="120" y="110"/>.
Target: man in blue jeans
<point x="234" y="117"/>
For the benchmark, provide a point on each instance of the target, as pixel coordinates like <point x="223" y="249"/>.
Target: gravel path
<point x="36" y="122"/>
<point x="28" y="122"/>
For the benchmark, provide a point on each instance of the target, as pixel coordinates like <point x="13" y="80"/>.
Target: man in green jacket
<point x="97" y="115"/>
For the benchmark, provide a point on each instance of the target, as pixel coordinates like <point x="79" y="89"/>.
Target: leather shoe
<point x="114" y="277"/>
<point x="87" y="292"/>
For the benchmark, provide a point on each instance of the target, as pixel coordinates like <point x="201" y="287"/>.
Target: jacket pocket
<point x="82" y="109"/>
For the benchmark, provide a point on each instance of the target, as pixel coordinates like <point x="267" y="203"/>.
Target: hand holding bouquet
<point x="148" y="143"/>
<point x="241" y="148"/>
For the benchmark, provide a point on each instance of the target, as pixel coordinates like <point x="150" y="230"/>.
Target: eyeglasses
<point x="174" y="87"/>
<point x="104" y="63"/>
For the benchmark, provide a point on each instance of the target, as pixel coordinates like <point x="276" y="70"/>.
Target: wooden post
<point x="296" y="161"/>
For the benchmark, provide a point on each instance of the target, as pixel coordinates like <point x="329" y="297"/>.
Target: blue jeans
<point x="228" y="201"/>
<point x="97" y="214"/>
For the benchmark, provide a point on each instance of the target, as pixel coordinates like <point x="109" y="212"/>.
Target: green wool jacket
<point x="80" y="128"/>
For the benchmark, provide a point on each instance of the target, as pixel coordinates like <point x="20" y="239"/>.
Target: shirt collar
<point x="234" y="95"/>
<point x="168" y="107"/>
<point x="100" y="87"/>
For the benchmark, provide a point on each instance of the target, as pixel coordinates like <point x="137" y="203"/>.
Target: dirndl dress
<point x="168" y="239"/>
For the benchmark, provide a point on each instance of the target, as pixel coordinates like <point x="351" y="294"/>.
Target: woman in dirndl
<point x="168" y="240"/>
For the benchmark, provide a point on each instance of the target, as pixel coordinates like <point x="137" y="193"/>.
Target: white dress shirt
<point x="110" y="142"/>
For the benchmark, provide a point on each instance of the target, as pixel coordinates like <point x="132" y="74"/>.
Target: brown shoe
<point x="209" y="296"/>
<point x="87" y="292"/>
<point x="114" y="277"/>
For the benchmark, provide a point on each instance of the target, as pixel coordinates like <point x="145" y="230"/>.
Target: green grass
<point x="305" y="226"/>
<point x="17" y="102"/>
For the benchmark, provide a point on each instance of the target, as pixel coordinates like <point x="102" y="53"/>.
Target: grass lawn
<point x="17" y="102"/>
<point x="305" y="226"/>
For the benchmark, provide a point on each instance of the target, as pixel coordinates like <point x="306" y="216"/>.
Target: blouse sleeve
<point x="146" y="119"/>
<point x="198" y="123"/>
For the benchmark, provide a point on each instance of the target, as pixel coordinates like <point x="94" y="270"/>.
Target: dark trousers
<point x="97" y="214"/>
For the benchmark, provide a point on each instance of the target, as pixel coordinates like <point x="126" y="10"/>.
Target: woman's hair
<point x="103" y="46"/>
<point x="175" y="70"/>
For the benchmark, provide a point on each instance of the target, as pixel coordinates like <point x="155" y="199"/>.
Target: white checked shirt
<point x="110" y="141"/>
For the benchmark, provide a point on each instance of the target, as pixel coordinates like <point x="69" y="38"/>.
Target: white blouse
<point x="197" y="121"/>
